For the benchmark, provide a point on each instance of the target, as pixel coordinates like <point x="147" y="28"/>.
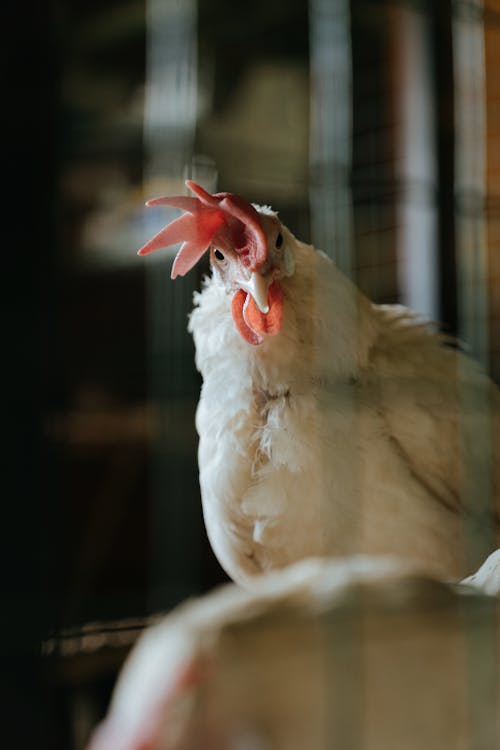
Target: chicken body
<point x="341" y="434"/>
<point x="329" y="426"/>
<point x="366" y="653"/>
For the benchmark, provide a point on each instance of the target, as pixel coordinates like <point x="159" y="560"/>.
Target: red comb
<point x="223" y="218"/>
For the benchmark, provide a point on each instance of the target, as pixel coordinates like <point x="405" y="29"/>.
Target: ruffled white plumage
<point x="339" y="435"/>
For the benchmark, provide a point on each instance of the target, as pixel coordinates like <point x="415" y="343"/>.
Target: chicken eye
<point x="279" y="240"/>
<point x="218" y="254"/>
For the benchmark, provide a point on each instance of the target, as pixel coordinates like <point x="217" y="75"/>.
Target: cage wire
<point x="473" y="320"/>
<point x="331" y="206"/>
<point x="350" y="201"/>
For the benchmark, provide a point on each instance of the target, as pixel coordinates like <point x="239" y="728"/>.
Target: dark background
<point x="85" y="538"/>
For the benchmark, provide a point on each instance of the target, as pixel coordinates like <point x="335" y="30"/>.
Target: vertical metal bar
<point x="170" y="118"/>
<point x="332" y="231"/>
<point x="472" y="267"/>
<point x="331" y="130"/>
<point x="472" y="273"/>
<point x="417" y="225"/>
<point x="470" y="156"/>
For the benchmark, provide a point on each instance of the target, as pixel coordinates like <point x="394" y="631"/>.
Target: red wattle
<point x="252" y="324"/>
<point x="237" y="306"/>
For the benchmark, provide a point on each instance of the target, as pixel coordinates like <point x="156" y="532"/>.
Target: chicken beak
<point x="258" y="286"/>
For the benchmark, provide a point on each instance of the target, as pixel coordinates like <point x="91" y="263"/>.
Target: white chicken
<point x="328" y="425"/>
<point x="357" y="653"/>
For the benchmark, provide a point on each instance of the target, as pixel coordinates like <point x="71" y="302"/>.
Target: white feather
<point x="339" y="435"/>
<point x="311" y="657"/>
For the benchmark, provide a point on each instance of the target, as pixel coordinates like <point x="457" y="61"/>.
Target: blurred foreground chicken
<point x="366" y="654"/>
<point x="328" y="425"/>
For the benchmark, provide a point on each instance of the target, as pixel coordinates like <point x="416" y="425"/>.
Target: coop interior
<point x="371" y="126"/>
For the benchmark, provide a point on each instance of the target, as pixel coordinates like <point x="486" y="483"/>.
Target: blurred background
<point x="372" y="126"/>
